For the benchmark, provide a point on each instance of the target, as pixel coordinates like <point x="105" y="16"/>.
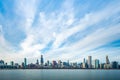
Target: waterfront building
<point x="25" y="63"/>
<point x="1" y="62"/>
<point x="42" y="60"/>
<point x="54" y="64"/>
<point x="107" y="60"/>
<point x="48" y="62"/>
<point x="114" y="65"/>
<point x="107" y="65"/>
<point x="89" y="61"/>
<point x="59" y="63"/>
<point x="37" y="62"/>
<point x="11" y="63"/>
<point x="84" y="63"/>
<point x="102" y="66"/>
<point x="96" y="63"/>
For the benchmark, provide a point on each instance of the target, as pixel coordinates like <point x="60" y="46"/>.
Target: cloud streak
<point x="52" y="33"/>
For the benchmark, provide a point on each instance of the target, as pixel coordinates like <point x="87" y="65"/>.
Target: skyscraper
<point x="89" y="61"/>
<point x="48" y="62"/>
<point x="107" y="60"/>
<point x="11" y="63"/>
<point x="25" y="62"/>
<point x="42" y="61"/>
<point x="37" y="62"/>
<point x="84" y="63"/>
<point x="96" y="63"/>
<point x="84" y="60"/>
<point x="114" y="65"/>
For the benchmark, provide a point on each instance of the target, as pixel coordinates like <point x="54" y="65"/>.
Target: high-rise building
<point x="96" y="63"/>
<point x="54" y="64"/>
<point x="84" y="60"/>
<point x="37" y="62"/>
<point x="84" y="63"/>
<point x="22" y="65"/>
<point x="59" y="63"/>
<point x="107" y="60"/>
<point x="25" y="62"/>
<point x="68" y="62"/>
<point x="42" y="60"/>
<point x="1" y="62"/>
<point x="11" y="63"/>
<point x="48" y="63"/>
<point x="89" y="61"/>
<point x="102" y="66"/>
<point x="114" y="65"/>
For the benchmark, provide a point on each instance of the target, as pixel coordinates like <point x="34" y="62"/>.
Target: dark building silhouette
<point x="1" y="62"/>
<point x="12" y="63"/>
<point x="42" y="60"/>
<point x="114" y="65"/>
<point x="37" y="62"/>
<point x="25" y="62"/>
<point x="107" y="60"/>
<point x="96" y="63"/>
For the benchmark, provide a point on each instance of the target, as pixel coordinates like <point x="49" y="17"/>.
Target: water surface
<point x="59" y="74"/>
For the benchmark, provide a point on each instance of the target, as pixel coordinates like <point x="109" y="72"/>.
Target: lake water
<point x="59" y="74"/>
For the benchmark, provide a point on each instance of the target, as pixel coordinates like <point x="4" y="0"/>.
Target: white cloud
<point x="58" y="26"/>
<point x="55" y="27"/>
<point x="98" y="38"/>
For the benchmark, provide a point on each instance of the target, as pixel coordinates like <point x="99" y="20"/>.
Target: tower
<point x="84" y="63"/>
<point x="42" y="61"/>
<point x="107" y="60"/>
<point x="25" y="62"/>
<point x="96" y="63"/>
<point x="89" y="61"/>
<point x="37" y="62"/>
<point x="84" y="60"/>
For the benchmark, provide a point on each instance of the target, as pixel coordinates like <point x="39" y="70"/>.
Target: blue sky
<point x="59" y="29"/>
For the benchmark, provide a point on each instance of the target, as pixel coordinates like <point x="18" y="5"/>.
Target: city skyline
<point x="88" y="63"/>
<point x="59" y="30"/>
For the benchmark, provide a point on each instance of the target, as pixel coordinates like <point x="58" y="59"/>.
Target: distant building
<point x="54" y="64"/>
<point x="37" y="62"/>
<point x="107" y="60"/>
<point x="59" y="63"/>
<point x="42" y="60"/>
<point x="102" y="66"/>
<point x="1" y="62"/>
<point x="107" y="65"/>
<point x="22" y="65"/>
<point x="12" y="63"/>
<point x="25" y="63"/>
<point x="114" y="65"/>
<point x="89" y="61"/>
<point x="84" y="63"/>
<point x="74" y="65"/>
<point x="17" y="65"/>
<point x="48" y="62"/>
<point x="96" y="63"/>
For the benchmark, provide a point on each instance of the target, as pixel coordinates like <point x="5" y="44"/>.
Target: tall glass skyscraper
<point x="96" y="63"/>
<point x="89" y="61"/>
<point x="42" y="60"/>
<point x="25" y="62"/>
<point x="107" y="60"/>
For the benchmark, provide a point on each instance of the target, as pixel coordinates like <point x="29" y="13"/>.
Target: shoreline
<point x="59" y="69"/>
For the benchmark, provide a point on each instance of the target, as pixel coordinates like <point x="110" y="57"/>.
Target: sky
<point x="59" y="30"/>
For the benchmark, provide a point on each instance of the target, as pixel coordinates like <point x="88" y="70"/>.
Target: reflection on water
<point x="62" y="74"/>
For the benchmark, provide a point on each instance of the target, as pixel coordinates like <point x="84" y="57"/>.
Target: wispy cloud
<point x="51" y="31"/>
